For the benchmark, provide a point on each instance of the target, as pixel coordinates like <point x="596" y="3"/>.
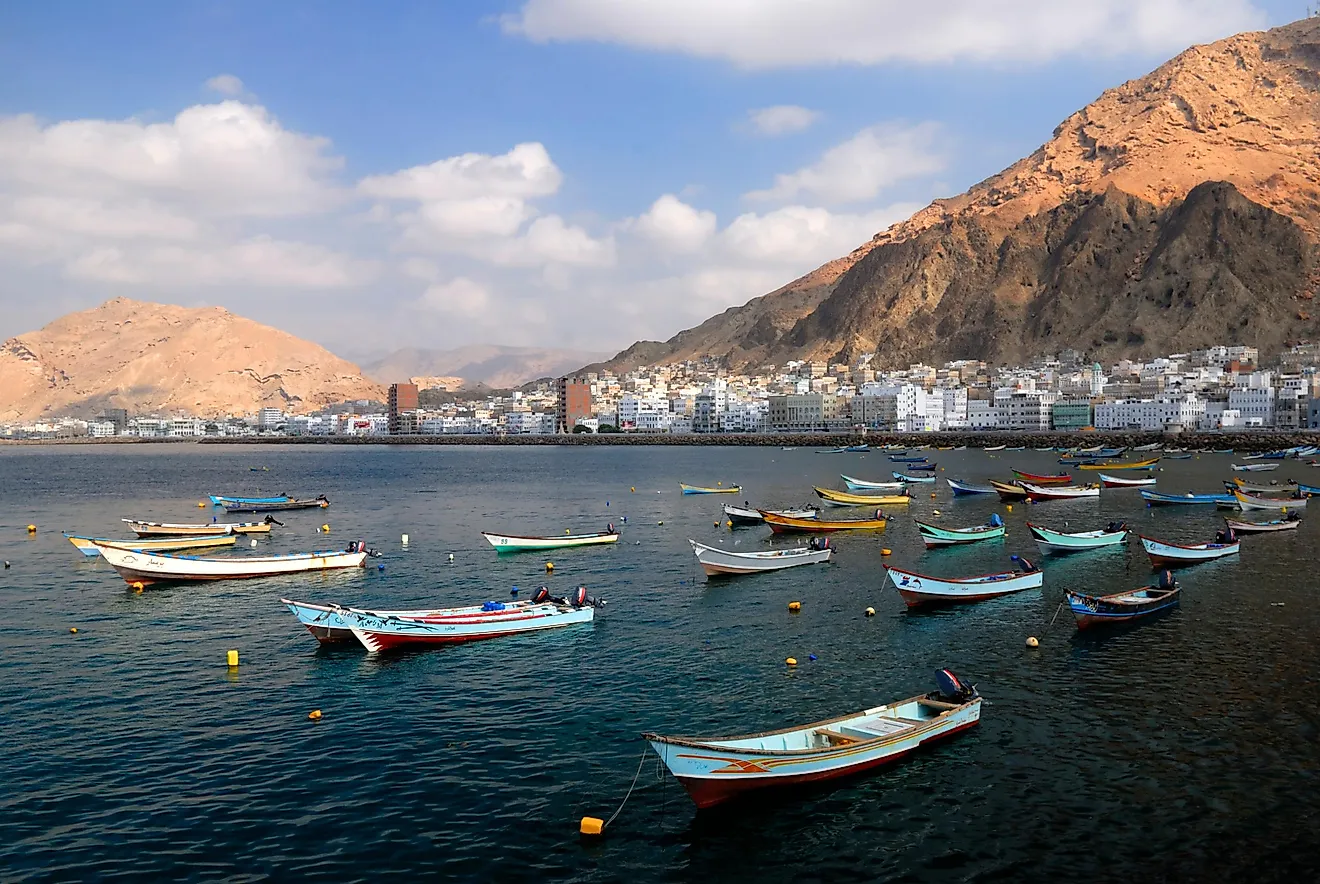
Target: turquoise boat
<point x="221" y="500"/>
<point x="928" y="480"/>
<point x="935" y="536"/>
<point x="1154" y="498"/>
<point x="1050" y="541"/>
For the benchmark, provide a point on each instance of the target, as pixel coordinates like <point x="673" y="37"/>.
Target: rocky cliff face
<point x="1177" y="210"/>
<point x="160" y="358"/>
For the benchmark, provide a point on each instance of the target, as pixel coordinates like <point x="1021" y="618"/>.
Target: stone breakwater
<point x="1244" y="442"/>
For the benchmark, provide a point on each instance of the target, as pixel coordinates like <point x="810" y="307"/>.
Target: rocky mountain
<point x="1176" y="211"/>
<point x="149" y="357"/>
<point x="494" y="366"/>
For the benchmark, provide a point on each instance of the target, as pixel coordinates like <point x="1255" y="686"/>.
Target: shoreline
<point x="1270" y="440"/>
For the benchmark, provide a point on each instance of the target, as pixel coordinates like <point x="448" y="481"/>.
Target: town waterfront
<point x="1181" y="749"/>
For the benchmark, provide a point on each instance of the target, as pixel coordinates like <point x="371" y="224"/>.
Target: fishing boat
<point x="221" y="500"/>
<point x="1038" y="493"/>
<point x="788" y="525"/>
<point x="202" y="529"/>
<point x="906" y="459"/>
<point x="387" y="630"/>
<point x="1115" y="465"/>
<point x="864" y="485"/>
<point x="1056" y="479"/>
<point x="1289" y="487"/>
<point x="1159" y="498"/>
<point x="1254" y="502"/>
<point x="1307" y="490"/>
<point x="147" y="568"/>
<point x="1287" y="523"/>
<point x="1009" y="492"/>
<point x="1052" y="541"/>
<point x="318" y="502"/>
<point x="927" y="480"/>
<point x="747" y="515"/>
<point x="716" y="562"/>
<point x="863" y="448"/>
<point x="935" y="536"/>
<point x="1154" y="446"/>
<point x="1179" y="456"/>
<point x="1254" y="467"/>
<point x="88" y="545"/>
<point x="1109" y="481"/>
<point x="1221" y="451"/>
<point x="512" y="543"/>
<point x="1017" y="448"/>
<point x="1124" y="607"/>
<point x="995" y="448"/>
<point x="1173" y="555"/>
<point x="716" y="769"/>
<point x="698" y="489"/>
<point x="845" y="498"/>
<point x="921" y="589"/>
<point x="961" y="487"/>
<point x="922" y="467"/>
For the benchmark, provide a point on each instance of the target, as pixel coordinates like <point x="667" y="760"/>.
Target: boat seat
<point x="937" y="704"/>
<point x="835" y="738"/>
<point x="874" y="727"/>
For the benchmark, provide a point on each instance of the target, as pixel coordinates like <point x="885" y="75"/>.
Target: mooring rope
<point x="640" y="762"/>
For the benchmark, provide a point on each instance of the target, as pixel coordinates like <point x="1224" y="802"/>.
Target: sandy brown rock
<point x="159" y="358"/>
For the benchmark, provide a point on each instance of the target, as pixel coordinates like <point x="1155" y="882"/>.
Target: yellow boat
<point x="845" y="498"/>
<point x="88" y="545"/>
<point x="697" y="489"/>
<point x="1117" y="465"/>
<point x="790" y="525"/>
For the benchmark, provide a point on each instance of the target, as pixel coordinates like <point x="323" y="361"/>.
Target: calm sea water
<point x="1184" y="749"/>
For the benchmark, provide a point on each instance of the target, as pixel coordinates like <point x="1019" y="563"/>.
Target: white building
<point x="1150" y="414"/>
<point x="954" y="403"/>
<point x="100" y="429"/>
<point x="1023" y="409"/>
<point x="982" y="415"/>
<point x="1255" y="404"/>
<point x="269" y="418"/>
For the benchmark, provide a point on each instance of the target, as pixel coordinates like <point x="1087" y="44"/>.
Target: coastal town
<point x="1222" y="388"/>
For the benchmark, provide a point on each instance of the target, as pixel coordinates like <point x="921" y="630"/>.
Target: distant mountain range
<point x="148" y="357"/>
<point x="1178" y="210"/>
<point x="488" y="364"/>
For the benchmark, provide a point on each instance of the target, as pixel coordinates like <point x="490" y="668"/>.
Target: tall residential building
<point x="403" y="401"/>
<point x="574" y="403"/>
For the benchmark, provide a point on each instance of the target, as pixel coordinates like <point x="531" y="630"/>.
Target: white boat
<point x="919" y="589"/>
<point x="510" y="543"/>
<point x="88" y="545"/>
<point x="715" y="561"/>
<point x="1051" y="541"/>
<point x="198" y="529"/>
<point x="147" y="568"/>
<point x="746" y="515"/>
<point x="1120" y="482"/>
<point x="1254" y="467"/>
<point x="1038" y="493"/>
<point x="716" y="769"/>
<point x="1240" y="526"/>
<point x="1255" y="502"/>
<point x="864" y="485"/>
<point x="389" y="630"/>
<point x="995" y="448"/>
<point x="1174" y="555"/>
<point x="1154" y="446"/>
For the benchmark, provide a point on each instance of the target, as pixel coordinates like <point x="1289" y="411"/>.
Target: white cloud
<point x="676" y="226"/>
<point x="805" y="236"/>
<point x="525" y="171"/>
<point x="225" y="84"/>
<point x="460" y="297"/>
<point x="782" y="119"/>
<point x="550" y="240"/>
<point x="792" y="33"/>
<point x="260" y="260"/>
<point x="861" y="167"/>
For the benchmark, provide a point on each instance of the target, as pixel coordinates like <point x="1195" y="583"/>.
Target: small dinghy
<point x="1254" y="467"/>
<point x="1174" y="555"/>
<point x="1055" y="479"/>
<point x="201" y="529"/>
<point x="961" y="487"/>
<point x="1254" y="502"/>
<point x="1124" y="607"/>
<point x="88" y="545"/>
<point x="935" y="536"/>
<point x="389" y="630"/>
<point x="907" y="459"/>
<point x="698" y="489"/>
<point x="1154" y="446"/>
<point x="1287" y="523"/>
<point x="1037" y="493"/>
<point x="221" y="500"/>
<point x="147" y="568"/>
<point x="995" y="448"/>
<point x="1051" y="541"/>
<point x="1109" y="481"/>
<point x="1114" y="465"/>
<point x="511" y="543"/>
<point x="903" y="477"/>
<point x="864" y="485"/>
<point x="781" y="524"/>
<point x="749" y="515"/>
<point x="921" y="589"/>
<point x="844" y="498"/>
<point x="1290" y="488"/>
<point x="717" y="562"/>
<point x="716" y="769"/>
<point x="318" y="502"/>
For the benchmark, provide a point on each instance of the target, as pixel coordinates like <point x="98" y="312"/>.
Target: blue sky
<point x="283" y="189"/>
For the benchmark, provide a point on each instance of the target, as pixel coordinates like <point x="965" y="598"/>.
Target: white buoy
<point x="451" y="557"/>
<point x="404" y="540"/>
<point x="254" y="543"/>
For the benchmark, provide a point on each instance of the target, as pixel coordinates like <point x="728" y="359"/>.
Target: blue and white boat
<point x="907" y="459"/>
<point x="961" y="487"/>
<point x="221" y="500"/>
<point x="1051" y="541"/>
<point x="1154" y="498"/>
<point x="1123" y="607"/>
<point x="864" y="485"/>
<point x="927" y="480"/>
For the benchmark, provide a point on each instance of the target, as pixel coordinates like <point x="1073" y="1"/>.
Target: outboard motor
<point x="1227" y="535"/>
<point x="1024" y="564"/>
<point x="541" y="596"/>
<point x="951" y="688"/>
<point x="819" y="543"/>
<point x="580" y="599"/>
<point x="1292" y="517"/>
<point x="1115" y="527"/>
<point x="609" y="529"/>
<point x="270" y="520"/>
<point x="1165" y="580"/>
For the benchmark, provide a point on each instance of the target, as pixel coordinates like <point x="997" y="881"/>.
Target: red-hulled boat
<point x="1056" y="479"/>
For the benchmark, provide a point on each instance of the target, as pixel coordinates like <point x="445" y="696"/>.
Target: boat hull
<point x="277" y="506"/>
<point x="1172" y="555"/>
<point x="864" y="485"/>
<point x="780" y="524"/>
<point x="697" y="489"/>
<point x="922" y="480"/>
<point x="721" y="563"/>
<point x="391" y="630"/>
<point x="88" y="545"/>
<point x="921" y="589"/>
<point x="511" y="543"/>
<point x="843" y="498"/>
<point x="1251" y="502"/>
<point x="961" y="488"/>
<point x="934" y="536"/>
<point x="148" y="568"/>
<point x="167" y="529"/>
<point x="1119" y="482"/>
<point x="1009" y="493"/>
<point x="1093" y="611"/>
<point x="1038" y="493"/>
<point x="1060" y="479"/>
<point x="221" y="500"/>
<point x="1059" y="542"/>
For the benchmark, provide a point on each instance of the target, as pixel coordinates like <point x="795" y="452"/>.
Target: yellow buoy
<point x="32" y="529"/>
<point x="314" y="715"/>
<point x="717" y="524"/>
<point x="729" y="524"/>
<point x="590" y="825"/>
<point x="932" y="495"/>
<point x="661" y="522"/>
<point x="936" y="512"/>
<point x="1033" y="642"/>
<point x="717" y="484"/>
<point x="326" y="529"/>
<point x="200" y="504"/>
<point x="1009" y="507"/>
<point x="633" y="489"/>
<point x="795" y="606"/>
<point x="870" y="612"/>
<point x="568" y="531"/>
<point x="232" y="659"/>
<point x="73" y="629"/>
<point x="138" y="586"/>
<point x="886" y="551"/>
<point x="549" y="566"/>
<point x="791" y="661"/>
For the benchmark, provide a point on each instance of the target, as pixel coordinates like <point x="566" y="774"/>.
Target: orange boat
<point x="1058" y="479"/>
<point x="781" y="524"/>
